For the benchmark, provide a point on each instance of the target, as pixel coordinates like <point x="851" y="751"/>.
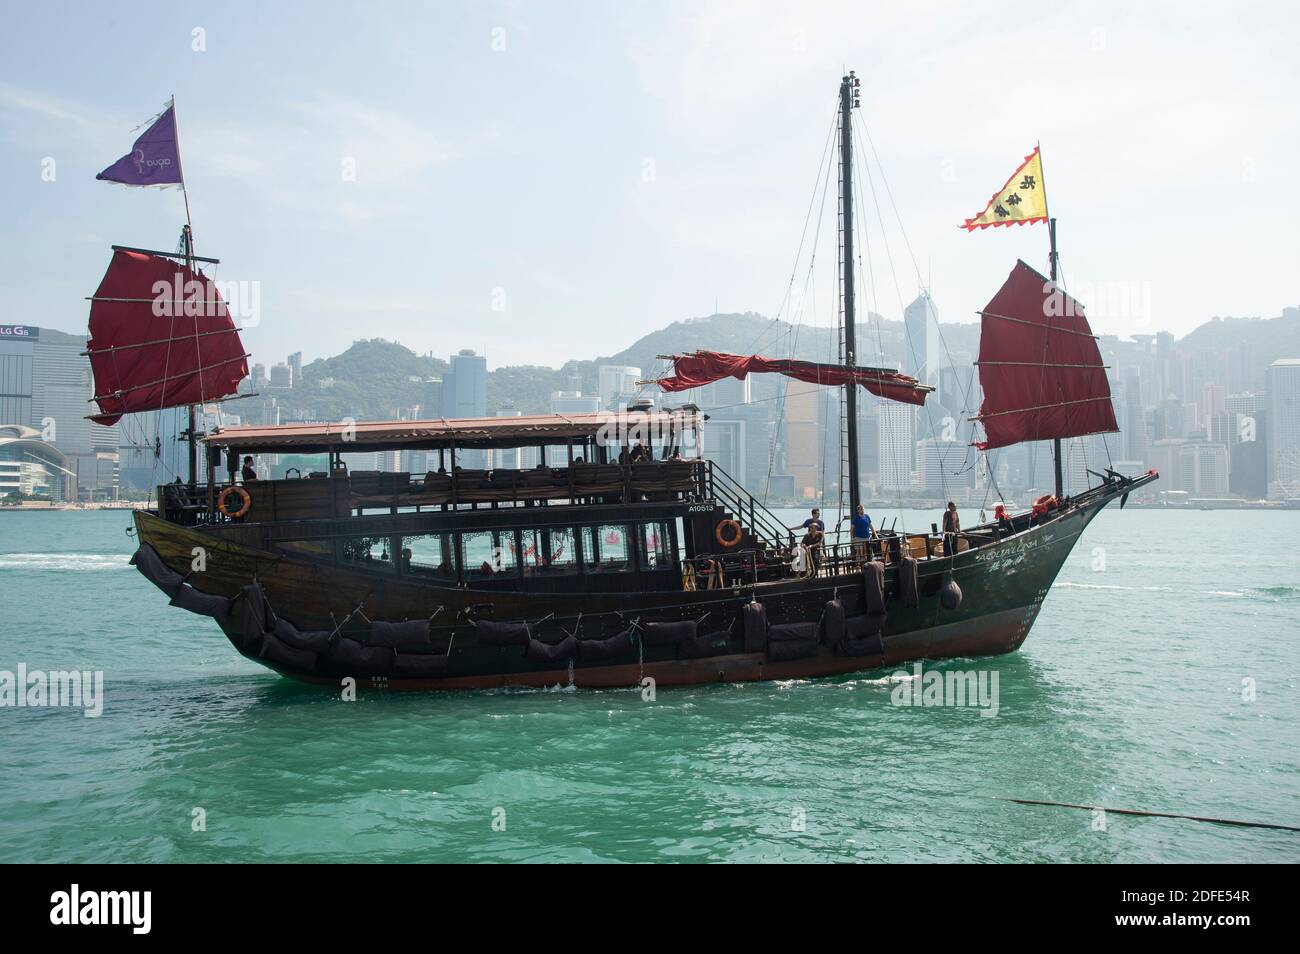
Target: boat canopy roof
<point x="613" y="428"/>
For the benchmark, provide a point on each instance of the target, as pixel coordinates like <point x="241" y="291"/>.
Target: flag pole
<point x="1052" y="269"/>
<point x="192" y="418"/>
<point x="180" y="163"/>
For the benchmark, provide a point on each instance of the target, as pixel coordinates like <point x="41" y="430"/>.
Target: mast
<point x="1056" y="442"/>
<point x="1051" y="273"/>
<point x="187" y="239"/>
<point x="187" y="247"/>
<point x="848" y="99"/>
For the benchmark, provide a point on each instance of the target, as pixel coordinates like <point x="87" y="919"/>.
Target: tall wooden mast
<point x="848" y="100"/>
<point x="187" y="249"/>
<point x="1056" y="442"/>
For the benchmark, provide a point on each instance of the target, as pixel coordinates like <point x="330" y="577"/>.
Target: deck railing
<point x="762" y="523"/>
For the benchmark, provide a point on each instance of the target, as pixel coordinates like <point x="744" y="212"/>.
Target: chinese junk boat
<point x="622" y="554"/>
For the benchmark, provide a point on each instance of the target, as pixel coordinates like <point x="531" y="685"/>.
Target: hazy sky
<point x="552" y="180"/>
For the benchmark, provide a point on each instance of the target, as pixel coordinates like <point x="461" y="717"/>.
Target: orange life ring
<point x="727" y="542"/>
<point x="242" y="494"/>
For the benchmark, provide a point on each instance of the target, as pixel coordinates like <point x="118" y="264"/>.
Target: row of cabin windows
<point x="485" y="554"/>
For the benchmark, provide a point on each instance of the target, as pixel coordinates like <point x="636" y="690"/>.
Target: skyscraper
<point x="616" y="384"/>
<point x="897" y="425"/>
<point x="16" y="342"/>
<point x="431" y="402"/>
<point x="281" y="377"/>
<point x="801" y="438"/>
<point x="921" y="348"/>
<point x="62" y="389"/>
<point x="1284" y="428"/>
<point x="464" y="387"/>
<point x="464" y="394"/>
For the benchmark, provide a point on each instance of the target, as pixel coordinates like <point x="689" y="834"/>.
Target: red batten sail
<point x="160" y="336"/>
<point x="1039" y="365"/>
<point x="703" y="367"/>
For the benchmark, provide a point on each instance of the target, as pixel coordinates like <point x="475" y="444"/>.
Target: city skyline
<point x="1216" y="420"/>
<point x="583" y="220"/>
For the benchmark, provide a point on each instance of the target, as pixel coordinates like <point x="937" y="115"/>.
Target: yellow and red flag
<point x="1022" y="200"/>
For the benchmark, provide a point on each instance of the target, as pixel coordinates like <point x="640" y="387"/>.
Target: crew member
<point x="951" y="527"/>
<point x="862" y="533"/>
<point x="247" y="471"/>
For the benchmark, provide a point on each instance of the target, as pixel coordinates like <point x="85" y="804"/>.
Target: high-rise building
<point x="617" y="384"/>
<point x="801" y="438"/>
<point x="1133" y="422"/>
<point x="464" y="386"/>
<point x="896" y="423"/>
<point x="941" y="468"/>
<point x="295" y="366"/>
<point x="921" y="348"/>
<point x="464" y="394"/>
<point x="1212" y="399"/>
<point x="1203" y="469"/>
<point x="281" y="378"/>
<point x="724" y="444"/>
<point x="1166" y="457"/>
<point x="62" y="390"/>
<point x="574" y="402"/>
<point x="431" y="403"/>
<point x="16" y="343"/>
<point x="1284" y="428"/>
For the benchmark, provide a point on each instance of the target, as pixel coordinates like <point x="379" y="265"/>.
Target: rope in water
<point x="1134" y="811"/>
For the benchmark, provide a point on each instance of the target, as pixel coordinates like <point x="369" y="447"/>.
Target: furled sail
<point x="1039" y="366"/>
<point x="160" y="336"/>
<point x="704" y="367"/>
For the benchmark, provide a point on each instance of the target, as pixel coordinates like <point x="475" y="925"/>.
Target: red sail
<point x="160" y="336"/>
<point x="1039" y="366"/>
<point x="704" y="367"/>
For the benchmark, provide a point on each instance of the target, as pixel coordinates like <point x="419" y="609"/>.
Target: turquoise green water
<point x="1128" y="693"/>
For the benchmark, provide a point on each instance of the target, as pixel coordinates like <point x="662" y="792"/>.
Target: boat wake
<point x="56" y="562"/>
<point x="1265" y="592"/>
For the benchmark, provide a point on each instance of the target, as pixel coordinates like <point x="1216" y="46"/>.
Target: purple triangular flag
<point x="155" y="160"/>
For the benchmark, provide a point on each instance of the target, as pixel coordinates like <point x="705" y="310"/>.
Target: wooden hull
<point x="1003" y="586"/>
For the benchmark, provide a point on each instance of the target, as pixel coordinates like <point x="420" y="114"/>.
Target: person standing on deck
<point x="247" y="471"/>
<point x="862" y="532"/>
<point x="814" y="533"/>
<point x="951" y="527"/>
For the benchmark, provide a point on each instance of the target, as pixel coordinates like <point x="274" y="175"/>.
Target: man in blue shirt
<point x="861" y="533"/>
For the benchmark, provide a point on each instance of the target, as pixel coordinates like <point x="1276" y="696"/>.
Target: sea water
<point x="1160" y="675"/>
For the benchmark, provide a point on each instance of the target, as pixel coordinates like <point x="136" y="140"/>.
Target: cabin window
<point x="607" y="548"/>
<point x="428" y="555"/>
<point x="486" y="554"/>
<point x="656" y="552"/>
<point x="369" y="552"/>
<point x="548" y="551"/>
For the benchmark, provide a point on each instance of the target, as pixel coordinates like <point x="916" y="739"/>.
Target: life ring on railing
<point x="1044" y="504"/>
<point x="242" y="494"/>
<point x="727" y="540"/>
